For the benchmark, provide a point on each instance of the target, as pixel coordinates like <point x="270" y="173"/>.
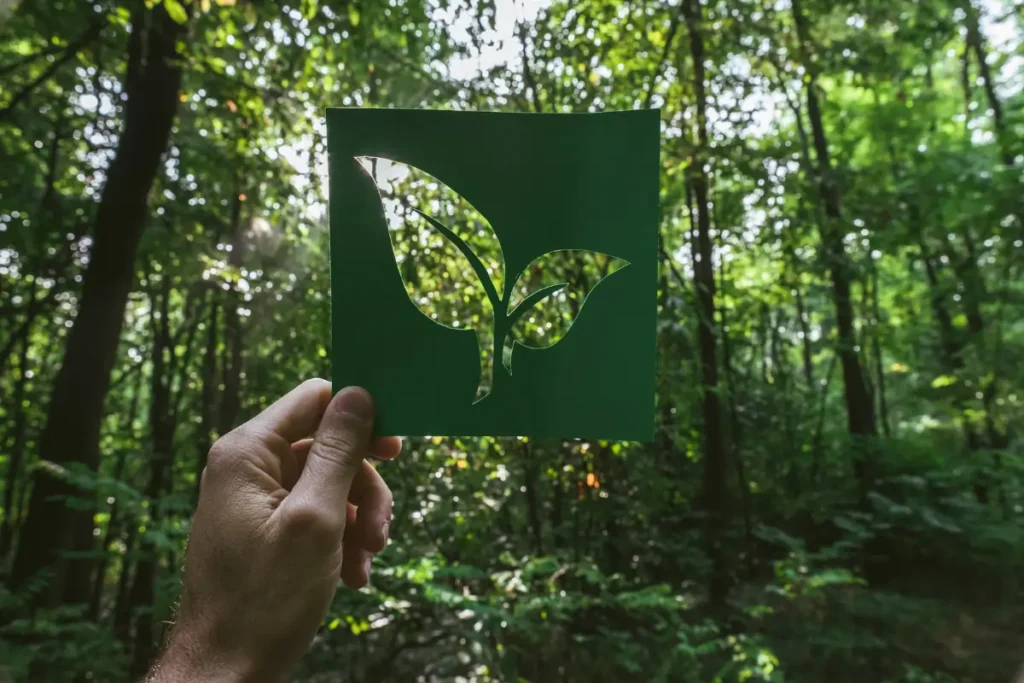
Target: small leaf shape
<point x="446" y="251"/>
<point x="549" y="295"/>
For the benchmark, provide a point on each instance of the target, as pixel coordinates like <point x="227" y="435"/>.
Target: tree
<point x="715" y="490"/>
<point x="151" y="83"/>
<point x="859" y="409"/>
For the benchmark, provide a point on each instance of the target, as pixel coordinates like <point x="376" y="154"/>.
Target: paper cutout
<point x="531" y="215"/>
<point x="424" y="246"/>
<point x="565" y="278"/>
<point x="569" y="275"/>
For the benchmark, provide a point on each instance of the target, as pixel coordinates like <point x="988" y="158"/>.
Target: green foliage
<point x="894" y="557"/>
<point x="60" y="637"/>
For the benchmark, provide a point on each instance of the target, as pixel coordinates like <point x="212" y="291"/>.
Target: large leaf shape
<point x="549" y="295"/>
<point x="446" y="251"/>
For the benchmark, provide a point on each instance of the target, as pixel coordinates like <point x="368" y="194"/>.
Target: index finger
<point x="297" y="414"/>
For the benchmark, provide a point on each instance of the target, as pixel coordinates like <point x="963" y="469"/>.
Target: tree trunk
<point x="114" y="524"/>
<point x="531" y="484"/>
<point x="859" y="410"/>
<point x="208" y="397"/>
<point x="233" y="337"/>
<point x="72" y="430"/>
<point x="817" y="441"/>
<point x="123" y="604"/>
<point x="14" y="463"/>
<point x="736" y="437"/>
<point x="761" y="350"/>
<point x="162" y="433"/>
<point x="876" y="314"/>
<point x="715" y="490"/>
<point x="976" y="44"/>
<point x="805" y="338"/>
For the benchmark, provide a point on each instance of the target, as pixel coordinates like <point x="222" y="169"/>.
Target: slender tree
<point x="859" y="410"/>
<point x="715" y="489"/>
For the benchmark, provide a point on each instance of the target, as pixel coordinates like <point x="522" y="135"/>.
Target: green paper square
<point x="544" y="184"/>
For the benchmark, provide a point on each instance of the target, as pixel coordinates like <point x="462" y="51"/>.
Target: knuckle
<point x="377" y="542"/>
<point x="340" y="448"/>
<point x="221" y="455"/>
<point x="313" y="522"/>
<point x="228" y="450"/>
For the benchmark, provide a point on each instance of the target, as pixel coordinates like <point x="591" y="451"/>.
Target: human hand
<point x="280" y="518"/>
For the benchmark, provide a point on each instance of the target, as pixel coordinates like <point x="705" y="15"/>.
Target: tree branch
<point x="70" y="53"/>
<point x="669" y="39"/>
<point x="27" y="59"/>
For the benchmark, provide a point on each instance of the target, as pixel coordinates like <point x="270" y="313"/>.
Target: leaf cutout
<point x="453" y="268"/>
<point x="446" y="251"/>
<point x="549" y="295"/>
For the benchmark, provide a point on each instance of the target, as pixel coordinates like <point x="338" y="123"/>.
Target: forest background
<point x="836" y="487"/>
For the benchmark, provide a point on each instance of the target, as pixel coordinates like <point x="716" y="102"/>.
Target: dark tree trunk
<point x="975" y="291"/>
<point x="950" y="347"/>
<point x="864" y="342"/>
<point x="951" y="342"/>
<point x="968" y="268"/>
<point x="764" y="332"/>
<point x="976" y="44"/>
<point x="123" y="604"/>
<point x="859" y="410"/>
<point x="817" y="441"/>
<point x="805" y="338"/>
<point x="530" y="483"/>
<point x="736" y="437"/>
<point x="233" y="334"/>
<point x="17" y="453"/>
<point x="162" y="433"/>
<point x="558" y="503"/>
<point x="606" y="478"/>
<point x="715" y="490"/>
<point x="115" y="523"/>
<point x="113" y="530"/>
<point x="208" y="397"/>
<point x="876" y="314"/>
<point x="72" y="430"/>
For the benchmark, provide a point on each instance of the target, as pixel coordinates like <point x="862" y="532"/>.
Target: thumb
<point x="341" y="442"/>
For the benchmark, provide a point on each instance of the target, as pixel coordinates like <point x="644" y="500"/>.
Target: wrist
<point x="190" y="660"/>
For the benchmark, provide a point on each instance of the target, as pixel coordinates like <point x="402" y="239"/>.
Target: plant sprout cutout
<point x="454" y="270"/>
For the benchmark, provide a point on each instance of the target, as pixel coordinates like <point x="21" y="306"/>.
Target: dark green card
<point x="496" y="274"/>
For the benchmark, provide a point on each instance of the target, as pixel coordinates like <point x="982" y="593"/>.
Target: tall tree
<point x="859" y="409"/>
<point x="715" y="491"/>
<point x="71" y="435"/>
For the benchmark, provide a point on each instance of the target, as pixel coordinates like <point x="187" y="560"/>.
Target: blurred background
<point x="836" y="488"/>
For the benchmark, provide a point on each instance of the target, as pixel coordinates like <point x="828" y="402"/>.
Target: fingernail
<point x="356" y="402"/>
<point x="385" y="529"/>
<point x="369" y="562"/>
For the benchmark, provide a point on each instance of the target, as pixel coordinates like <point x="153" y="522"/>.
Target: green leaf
<point x="353" y="15"/>
<point x="943" y="381"/>
<point x="175" y="11"/>
<point x="446" y="251"/>
<point x="550" y="294"/>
